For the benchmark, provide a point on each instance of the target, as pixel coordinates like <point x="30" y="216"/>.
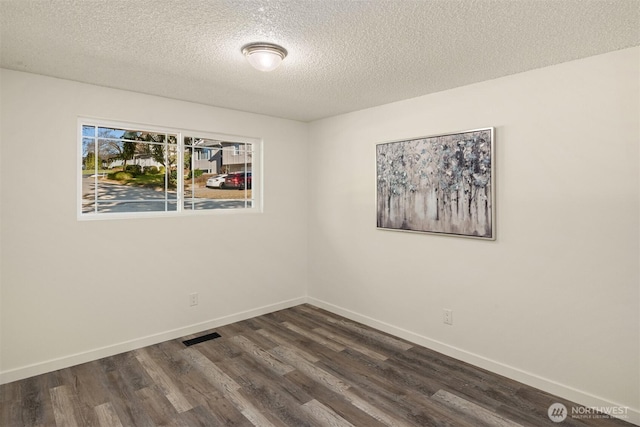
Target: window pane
<point x="129" y="173"/>
<point x="88" y="130"/>
<point x="206" y="167"/>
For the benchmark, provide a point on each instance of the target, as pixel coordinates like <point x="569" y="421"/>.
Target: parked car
<point x="216" y="181"/>
<point x="240" y="180"/>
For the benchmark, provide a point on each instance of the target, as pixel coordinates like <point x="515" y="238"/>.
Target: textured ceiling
<point x="343" y="55"/>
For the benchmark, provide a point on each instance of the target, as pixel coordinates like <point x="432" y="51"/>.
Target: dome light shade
<point x="264" y="56"/>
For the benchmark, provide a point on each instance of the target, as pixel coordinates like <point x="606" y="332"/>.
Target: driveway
<point x="114" y="197"/>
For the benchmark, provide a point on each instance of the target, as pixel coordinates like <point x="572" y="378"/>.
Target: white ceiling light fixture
<point x="264" y="56"/>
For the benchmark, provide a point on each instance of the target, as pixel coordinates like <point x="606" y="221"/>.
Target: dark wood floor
<point x="297" y="367"/>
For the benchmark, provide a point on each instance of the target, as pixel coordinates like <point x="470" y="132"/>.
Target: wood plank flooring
<point x="301" y="366"/>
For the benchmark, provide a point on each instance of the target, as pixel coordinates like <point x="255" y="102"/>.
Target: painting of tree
<point x="440" y="184"/>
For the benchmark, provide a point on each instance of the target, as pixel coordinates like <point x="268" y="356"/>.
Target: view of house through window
<point x="127" y="169"/>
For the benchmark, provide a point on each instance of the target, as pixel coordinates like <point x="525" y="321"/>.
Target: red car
<point x="240" y="180"/>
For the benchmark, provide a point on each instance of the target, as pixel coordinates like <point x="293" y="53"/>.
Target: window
<point x="132" y="170"/>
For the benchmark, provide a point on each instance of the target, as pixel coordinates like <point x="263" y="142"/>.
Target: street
<point x="113" y="197"/>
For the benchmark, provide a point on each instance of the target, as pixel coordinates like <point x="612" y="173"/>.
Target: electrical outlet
<point x="448" y="316"/>
<point x="193" y="299"/>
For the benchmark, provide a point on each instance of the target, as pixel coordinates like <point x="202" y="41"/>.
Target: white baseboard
<point x="99" y="353"/>
<point x="632" y="415"/>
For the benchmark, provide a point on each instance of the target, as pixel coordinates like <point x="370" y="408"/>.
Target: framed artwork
<point x="442" y="184"/>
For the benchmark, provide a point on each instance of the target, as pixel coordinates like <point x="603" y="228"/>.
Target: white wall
<point x="74" y="290"/>
<point x="554" y="300"/>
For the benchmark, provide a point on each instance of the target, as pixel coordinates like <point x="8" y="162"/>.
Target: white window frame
<point x="181" y="133"/>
